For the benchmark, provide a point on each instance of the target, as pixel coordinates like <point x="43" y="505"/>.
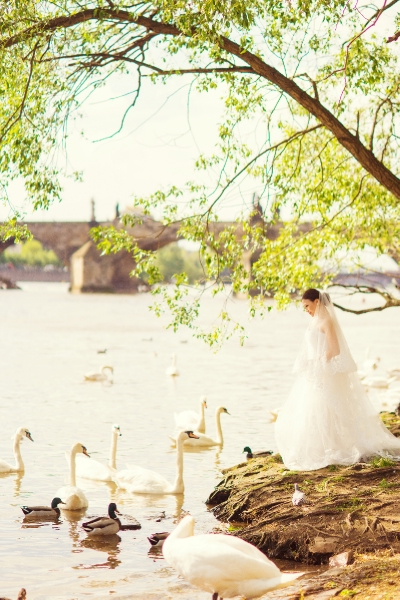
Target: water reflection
<point x="107" y="544"/>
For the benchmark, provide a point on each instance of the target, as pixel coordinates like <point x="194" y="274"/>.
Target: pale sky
<point x="158" y="146"/>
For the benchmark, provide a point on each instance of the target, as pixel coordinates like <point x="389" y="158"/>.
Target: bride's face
<point x="310" y="306"/>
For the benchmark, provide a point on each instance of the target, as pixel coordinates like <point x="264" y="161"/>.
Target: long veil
<point x="312" y="357"/>
<point x="328" y="417"/>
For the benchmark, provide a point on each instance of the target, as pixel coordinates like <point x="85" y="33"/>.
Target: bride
<point x="328" y="417"/>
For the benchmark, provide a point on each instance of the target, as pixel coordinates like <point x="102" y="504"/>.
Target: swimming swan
<point x="189" y="419"/>
<point x="222" y="565"/>
<point x="74" y="498"/>
<point x="93" y="469"/>
<point x="19" y="463"/>
<point x="172" y="370"/>
<point x="143" y="481"/>
<point x="101" y="526"/>
<point x="43" y="512"/>
<point x="203" y="440"/>
<point x="100" y="375"/>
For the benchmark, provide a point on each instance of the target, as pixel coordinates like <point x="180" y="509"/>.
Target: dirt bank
<point x="348" y="508"/>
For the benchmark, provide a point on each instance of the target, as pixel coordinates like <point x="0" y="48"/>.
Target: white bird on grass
<point x="100" y="375"/>
<point x="93" y="469"/>
<point x="172" y="371"/>
<point x="189" y="419"/>
<point x="223" y="565"/>
<point x="74" y="498"/>
<point x="203" y="440"/>
<point x="298" y="497"/>
<point x="103" y="526"/>
<point x="137" y="480"/>
<point x="20" y="434"/>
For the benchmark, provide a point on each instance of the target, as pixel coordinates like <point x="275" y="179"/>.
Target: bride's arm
<point x="332" y="341"/>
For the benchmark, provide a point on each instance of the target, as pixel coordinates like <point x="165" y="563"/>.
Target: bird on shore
<point x="223" y="565"/>
<point x="189" y="419"/>
<point x="172" y="370"/>
<point x="100" y="375"/>
<point x="251" y="454"/>
<point x="200" y="439"/>
<point x="102" y="526"/>
<point x="157" y="539"/>
<point x="298" y="497"/>
<point x="43" y="512"/>
<point x="20" y="434"/>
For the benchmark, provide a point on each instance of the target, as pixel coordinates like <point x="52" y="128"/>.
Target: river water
<point x="50" y="338"/>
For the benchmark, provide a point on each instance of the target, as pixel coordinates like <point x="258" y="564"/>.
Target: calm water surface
<point x="49" y="340"/>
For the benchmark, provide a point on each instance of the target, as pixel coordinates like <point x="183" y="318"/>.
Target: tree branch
<point x="350" y="142"/>
<point x="390" y="301"/>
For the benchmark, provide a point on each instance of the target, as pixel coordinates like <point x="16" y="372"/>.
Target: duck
<point x="172" y="370"/>
<point x="43" y="512"/>
<point x="137" y="480"/>
<point x="298" y="497"/>
<point x="189" y="419"/>
<point x="20" y="434"/>
<point x="251" y="454"/>
<point x="102" y="526"/>
<point x="75" y="499"/>
<point x="21" y="595"/>
<point x="223" y="565"/>
<point x="100" y="375"/>
<point x="203" y="440"/>
<point x="157" y="539"/>
<point x="93" y="469"/>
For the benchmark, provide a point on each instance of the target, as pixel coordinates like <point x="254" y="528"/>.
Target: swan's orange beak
<point x="85" y="451"/>
<point x="191" y="435"/>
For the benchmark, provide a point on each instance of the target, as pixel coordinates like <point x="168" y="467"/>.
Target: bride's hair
<point x="311" y="294"/>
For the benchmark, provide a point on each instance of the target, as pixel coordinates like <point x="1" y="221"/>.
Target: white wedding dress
<point x="328" y="418"/>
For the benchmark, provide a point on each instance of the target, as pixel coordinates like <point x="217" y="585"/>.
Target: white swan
<point x="222" y="565"/>
<point x="204" y="440"/>
<point x="394" y="373"/>
<point x="274" y="414"/>
<point x="378" y="381"/>
<point x="172" y="371"/>
<point x="20" y="434"/>
<point x="370" y="364"/>
<point x="143" y="481"/>
<point x="74" y="498"/>
<point x="189" y="419"/>
<point x="93" y="469"/>
<point x="100" y="375"/>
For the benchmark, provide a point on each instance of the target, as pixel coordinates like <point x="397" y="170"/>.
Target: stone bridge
<point x="91" y="272"/>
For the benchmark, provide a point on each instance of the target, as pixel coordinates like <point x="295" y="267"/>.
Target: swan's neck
<point x="72" y="469"/>
<point x="113" y="452"/>
<point x="178" y="486"/>
<point x="202" y="424"/>
<point x="19" y="463"/>
<point x="220" y="438"/>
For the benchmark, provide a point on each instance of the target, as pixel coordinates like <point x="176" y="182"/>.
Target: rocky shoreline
<point x="352" y="509"/>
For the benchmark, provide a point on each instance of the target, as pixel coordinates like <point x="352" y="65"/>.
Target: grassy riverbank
<point x="348" y="508"/>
